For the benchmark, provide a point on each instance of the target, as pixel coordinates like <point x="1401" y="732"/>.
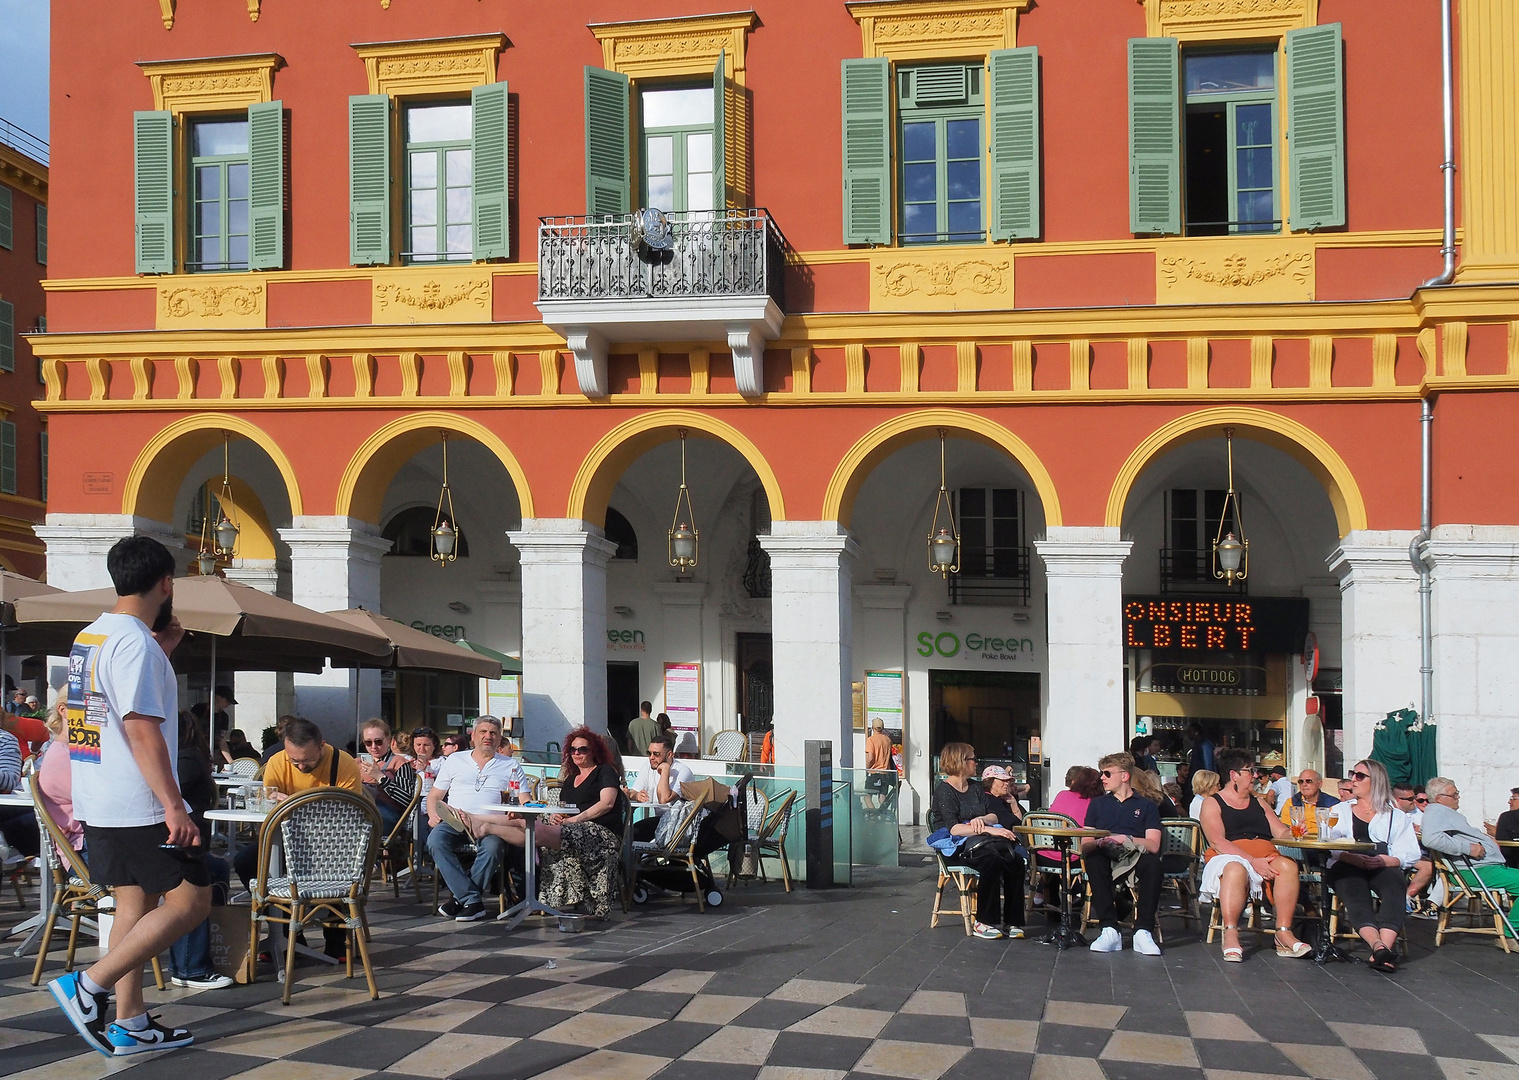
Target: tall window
<point x="1191" y="524"/>
<point x="439" y="186"/>
<point x="678" y="148"/>
<point x="7" y="457"/>
<point x="1231" y="143"/>
<point x="942" y="111"/>
<point x="990" y="531"/>
<point x="219" y="195"/>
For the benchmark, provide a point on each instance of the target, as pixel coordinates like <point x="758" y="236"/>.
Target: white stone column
<point x="1083" y="720"/>
<point x="262" y="696"/>
<point x="680" y="605"/>
<point x="1379" y="631"/>
<point x="1476" y="647"/>
<point x="77" y="545"/>
<point x="811" y="611"/>
<point x="564" y="627"/>
<point x="335" y="565"/>
<point x="883" y="631"/>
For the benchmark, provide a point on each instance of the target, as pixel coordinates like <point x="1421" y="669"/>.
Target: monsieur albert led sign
<point x="1273" y="625"/>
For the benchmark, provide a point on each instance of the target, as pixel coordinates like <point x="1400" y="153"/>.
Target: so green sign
<point x="975" y="646"/>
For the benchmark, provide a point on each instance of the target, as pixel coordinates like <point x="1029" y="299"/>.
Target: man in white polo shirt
<point x="469" y="782"/>
<point x="659" y="783"/>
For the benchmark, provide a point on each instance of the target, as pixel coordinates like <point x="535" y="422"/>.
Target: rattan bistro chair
<point x="1181" y="862"/>
<point x="1467" y="903"/>
<point x="398" y="851"/>
<point x="728" y="745"/>
<point x="678" y="852"/>
<point x="330" y="840"/>
<point x="966" y="880"/>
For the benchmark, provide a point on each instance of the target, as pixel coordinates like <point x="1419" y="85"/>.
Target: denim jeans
<point x="190" y="956"/>
<point x="444" y="844"/>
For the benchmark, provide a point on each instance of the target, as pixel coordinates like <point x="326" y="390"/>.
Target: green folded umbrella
<point x="1405" y="746"/>
<point x="510" y="665"/>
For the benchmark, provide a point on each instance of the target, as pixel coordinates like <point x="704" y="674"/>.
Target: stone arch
<point x="1277" y="431"/>
<point x="885" y="440"/>
<point x="627" y="442"/>
<point x="163" y="464"/>
<point x="367" y="477"/>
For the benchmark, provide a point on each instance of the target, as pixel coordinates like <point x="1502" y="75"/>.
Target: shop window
<point x="994" y="563"/>
<point x="1191" y="523"/>
<point x="410" y="533"/>
<point x="218" y="195"/>
<point x="439" y="183"/>
<point x="619" y="530"/>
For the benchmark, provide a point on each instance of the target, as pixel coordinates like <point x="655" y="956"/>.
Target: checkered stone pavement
<point x="810" y="986"/>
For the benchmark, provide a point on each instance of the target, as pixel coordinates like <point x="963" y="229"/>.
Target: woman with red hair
<point x="579" y="864"/>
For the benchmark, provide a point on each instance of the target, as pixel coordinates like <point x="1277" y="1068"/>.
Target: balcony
<point x="1188" y="571"/>
<point x="646" y="278"/>
<point x="995" y="576"/>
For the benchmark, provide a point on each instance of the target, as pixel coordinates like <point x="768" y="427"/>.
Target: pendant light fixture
<point x="685" y="541"/>
<point x="1231" y="552"/>
<point x="218" y="542"/>
<point x="445" y="533"/>
<point x="943" y="539"/>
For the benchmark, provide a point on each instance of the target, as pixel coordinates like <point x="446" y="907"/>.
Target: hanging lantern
<point x="1231" y="553"/>
<point x="218" y="542"/>
<point x="445" y="534"/>
<point x="943" y="539"/>
<point x="205" y="562"/>
<point x="685" y="540"/>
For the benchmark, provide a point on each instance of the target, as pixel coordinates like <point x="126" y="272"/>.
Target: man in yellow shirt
<point x="1311" y="796"/>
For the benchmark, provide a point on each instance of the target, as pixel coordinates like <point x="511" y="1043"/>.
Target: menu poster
<point x="503" y="697"/>
<point x="683" y="704"/>
<point x="883" y="699"/>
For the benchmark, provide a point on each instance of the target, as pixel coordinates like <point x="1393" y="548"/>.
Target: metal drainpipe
<point x="1448" y="167"/>
<point x="1418" y="554"/>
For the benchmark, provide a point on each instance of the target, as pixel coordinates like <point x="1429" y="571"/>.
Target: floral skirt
<point x="583" y="870"/>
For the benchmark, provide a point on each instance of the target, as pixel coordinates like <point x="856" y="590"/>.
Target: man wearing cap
<point x="881" y="773"/>
<point x="1280" y="788"/>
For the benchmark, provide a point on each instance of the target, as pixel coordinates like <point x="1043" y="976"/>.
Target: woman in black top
<point x="961" y="806"/>
<point x="582" y="850"/>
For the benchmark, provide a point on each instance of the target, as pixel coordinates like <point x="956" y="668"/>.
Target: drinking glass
<point x="1299" y="822"/>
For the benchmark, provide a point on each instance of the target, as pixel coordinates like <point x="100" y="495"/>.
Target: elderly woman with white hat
<point x="977" y="825"/>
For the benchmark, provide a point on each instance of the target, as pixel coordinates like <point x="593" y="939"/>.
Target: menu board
<point x="683" y="704"/>
<point x="883" y="699"/>
<point x="503" y="697"/>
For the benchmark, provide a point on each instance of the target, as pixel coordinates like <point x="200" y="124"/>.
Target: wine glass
<point x="1299" y="822"/>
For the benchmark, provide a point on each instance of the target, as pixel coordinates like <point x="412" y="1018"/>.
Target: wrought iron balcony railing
<point x="1188" y="570"/>
<point x="731" y="253"/>
<point x="991" y="576"/>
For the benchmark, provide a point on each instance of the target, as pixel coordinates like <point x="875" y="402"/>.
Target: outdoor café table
<point x="31" y="927"/>
<point x="530" y="904"/>
<point x="1326" y="950"/>
<point x="276" y="930"/>
<point x="1065" y="935"/>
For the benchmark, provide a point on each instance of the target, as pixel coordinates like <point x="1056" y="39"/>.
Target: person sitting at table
<point x="1506" y="828"/>
<point x="31" y="732"/>
<point x="18" y="824"/>
<point x="190" y="956"/>
<point x="388" y="776"/>
<point x="55" y="780"/>
<point x="451" y="745"/>
<point x="1342" y="788"/>
<point x="1313" y="799"/>
<point x="467" y="782"/>
<point x="962" y="806"/>
<point x="1447" y="831"/>
<point x="659" y="783"/>
<point x="1082" y="785"/>
<point x="1413" y="800"/>
<point x="238" y="747"/>
<point x="1132" y="847"/>
<point x="581" y="850"/>
<point x="1243" y="862"/>
<point x="1373" y="818"/>
<point x="1150" y="787"/>
<point x="1204" y="783"/>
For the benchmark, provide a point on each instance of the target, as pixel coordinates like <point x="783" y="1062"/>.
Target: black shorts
<point x="132" y="856"/>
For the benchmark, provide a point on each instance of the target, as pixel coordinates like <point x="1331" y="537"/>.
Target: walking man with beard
<point x="123" y="719"/>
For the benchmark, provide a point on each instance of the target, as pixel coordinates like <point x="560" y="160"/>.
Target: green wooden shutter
<point x="266" y="185"/>
<point x="1155" y="136"/>
<point x="1015" y="144"/>
<point x="867" y="151"/>
<point x="7" y="232"/>
<point x="369" y="179"/>
<point x="491" y="188"/>
<point x="608" y="186"/>
<point x="1316" y="127"/>
<point x="42" y="233"/>
<point x="7" y="336"/>
<point x="153" y="139"/>
<point x="7" y="457"/>
<point x="719" y="133"/>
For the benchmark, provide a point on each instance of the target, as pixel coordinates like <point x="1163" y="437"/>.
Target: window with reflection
<point x="942" y="153"/>
<point x="1231" y="143"/>
<point x="439" y="183"/>
<point x="218" y="195"/>
<point x="678" y="148"/>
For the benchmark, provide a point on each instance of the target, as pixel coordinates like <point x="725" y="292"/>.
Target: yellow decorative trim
<point x="142" y="378"/>
<point x="1488" y="42"/>
<point x="228" y="368"/>
<point x="365" y="367"/>
<point x="166" y="12"/>
<point x="900" y="431"/>
<point x="701" y="370"/>
<point x="1453" y="350"/>
<point x="911" y="358"/>
<point x="459" y="368"/>
<point x="922" y="279"/>
<point x="253" y="10"/>
<point x="1137" y="353"/>
<point x="1513" y="348"/>
<point x="100" y="378"/>
<point x="431" y="294"/>
<point x="375" y="463"/>
<point x="438" y="66"/>
<point x="617" y="449"/>
<point x="1384" y="361"/>
<point x="550" y="369"/>
<point x="648" y="371"/>
<point x="23" y="172"/>
<point x="854" y="368"/>
<point x="1262" y="269"/>
<point x="801" y="369"/>
<point x="411" y="373"/>
<point x="664" y="48"/>
<point x="204" y="301"/>
<point x="213" y="84"/>
<point x="1261" y="354"/>
<point x="186" y="371"/>
<point x="1081" y="365"/>
<point x="202" y="432"/>
<point x="1197" y="363"/>
<point x="936" y="29"/>
<point x="1270" y="428"/>
<point x="1214" y="20"/>
<point x="318" y="371"/>
<point x="1023" y="367"/>
<point x="505" y="366"/>
<point x="274" y="378"/>
<point x="1320" y="362"/>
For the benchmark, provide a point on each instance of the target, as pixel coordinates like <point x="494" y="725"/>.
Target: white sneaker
<point x="1108" y="941"/>
<point x="210" y="982"/>
<point x="1144" y="943"/>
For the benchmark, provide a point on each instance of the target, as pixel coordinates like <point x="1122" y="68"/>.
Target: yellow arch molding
<point x="625" y="443"/>
<point x="362" y="489"/>
<point x="920" y="424"/>
<point x="154" y="482"/>
<point x="1273" y="429"/>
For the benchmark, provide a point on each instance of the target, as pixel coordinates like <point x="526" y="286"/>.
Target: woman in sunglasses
<point x="962" y="806"/>
<point x="1373" y="818"/>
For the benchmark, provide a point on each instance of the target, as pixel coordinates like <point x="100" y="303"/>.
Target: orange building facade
<point x="1059" y="259"/>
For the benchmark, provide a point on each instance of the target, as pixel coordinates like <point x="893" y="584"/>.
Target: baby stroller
<point x="702" y="822"/>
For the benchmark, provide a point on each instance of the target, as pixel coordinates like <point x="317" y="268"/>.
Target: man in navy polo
<point x="1124" y="813"/>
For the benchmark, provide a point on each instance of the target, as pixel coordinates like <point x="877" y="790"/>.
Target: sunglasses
<point x="1422" y="800"/>
<point x="374" y="742"/>
<point x="1300" y="783"/>
<point x="1109" y="773"/>
<point x="580" y="749"/>
<point x="1358" y="775"/>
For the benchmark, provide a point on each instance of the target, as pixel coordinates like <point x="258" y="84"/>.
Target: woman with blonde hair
<point x="962" y="806"/>
<point x="54" y="777"/>
<point x="1204" y="783"/>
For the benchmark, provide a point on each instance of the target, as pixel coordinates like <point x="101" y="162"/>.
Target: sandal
<point x="1233" y="954"/>
<point x="1295" y="951"/>
<point x="1382" y="960"/>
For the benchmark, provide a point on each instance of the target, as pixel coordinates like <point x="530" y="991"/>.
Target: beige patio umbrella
<point x="12" y="588"/>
